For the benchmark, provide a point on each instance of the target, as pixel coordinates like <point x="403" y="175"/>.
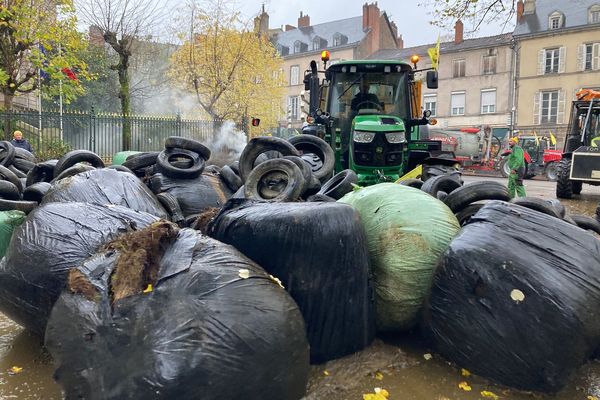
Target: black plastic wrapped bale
<point x="211" y="324"/>
<point x="54" y="238"/>
<point x="106" y="186"/>
<point x="194" y="195"/>
<point x="320" y="253"/>
<point x="516" y="298"/>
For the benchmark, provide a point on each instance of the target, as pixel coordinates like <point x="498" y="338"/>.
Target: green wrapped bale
<point x="407" y="231"/>
<point x="9" y="220"/>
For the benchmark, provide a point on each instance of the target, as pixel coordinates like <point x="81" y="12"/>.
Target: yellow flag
<point x="434" y="54"/>
<point x="552" y="139"/>
<point x="537" y="139"/>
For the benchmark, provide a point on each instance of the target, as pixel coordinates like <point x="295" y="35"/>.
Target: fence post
<point x="178" y="123"/>
<point x="93" y="130"/>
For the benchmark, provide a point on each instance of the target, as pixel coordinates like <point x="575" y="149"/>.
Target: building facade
<point x="346" y="39"/>
<point x="475" y="77"/>
<point x="558" y="46"/>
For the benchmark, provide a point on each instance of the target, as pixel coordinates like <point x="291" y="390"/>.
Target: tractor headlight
<point x="363" y="137"/>
<point x="395" y="137"/>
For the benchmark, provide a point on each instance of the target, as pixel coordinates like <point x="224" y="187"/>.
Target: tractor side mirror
<point x="432" y="79"/>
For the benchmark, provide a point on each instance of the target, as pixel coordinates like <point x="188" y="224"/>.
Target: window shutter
<point x="536" y="108"/>
<point x="596" y="57"/>
<point x="581" y="57"/>
<point x="562" y="59"/>
<point x="541" y="62"/>
<point x="560" y="116"/>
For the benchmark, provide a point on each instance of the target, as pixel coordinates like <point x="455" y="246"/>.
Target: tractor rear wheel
<point x="564" y="184"/>
<point x="504" y="168"/>
<point x="551" y="171"/>
<point x="577" y="187"/>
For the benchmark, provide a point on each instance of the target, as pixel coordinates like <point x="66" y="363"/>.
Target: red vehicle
<point x="541" y="158"/>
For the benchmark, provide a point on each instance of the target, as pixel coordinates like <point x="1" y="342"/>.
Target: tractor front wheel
<point x="564" y="184"/>
<point x="551" y="171"/>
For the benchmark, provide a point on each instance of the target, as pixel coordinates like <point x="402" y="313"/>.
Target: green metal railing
<point x="52" y="134"/>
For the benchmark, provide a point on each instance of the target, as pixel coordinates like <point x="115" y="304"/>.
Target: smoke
<point x="227" y="144"/>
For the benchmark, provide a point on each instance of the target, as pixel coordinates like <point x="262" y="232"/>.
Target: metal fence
<point x="52" y="134"/>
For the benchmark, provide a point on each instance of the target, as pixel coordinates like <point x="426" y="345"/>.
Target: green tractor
<point x="370" y="114"/>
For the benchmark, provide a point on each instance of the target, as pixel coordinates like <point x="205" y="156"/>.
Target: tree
<point x="38" y="34"/>
<point x="479" y="11"/>
<point x="124" y="24"/>
<point x="233" y="73"/>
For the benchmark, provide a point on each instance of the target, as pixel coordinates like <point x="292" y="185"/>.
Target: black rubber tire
<point x="36" y="192"/>
<point x="7" y="153"/>
<point x="121" y="168"/>
<point x="465" y="215"/>
<point x="164" y="165"/>
<point x="231" y="180"/>
<point x="24" y="155"/>
<point x="74" y="170"/>
<point x="20" y="174"/>
<point x="75" y="157"/>
<point x="587" y="223"/>
<point x="441" y="195"/>
<point x="212" y="169"/>
<point x="558" y="206"/>
<point x="235" y="166"/>
<point x="260" y="145"/>
<point x="568" y="219"/>
<point x="439" y="183"/>
<point x="340" y="184"/>
<point x="9" y="191"/>
<point x="503" y="167"/>
<point x="536" y="204"/>
<point x="564" y="185"/>
<point x="309" y="144"/>
<point x="412" y="182"/>
<point x="312" y="187"/>
<point x="176" y="142"/>
<point x="23" y="165"/>
<point x="292" y="190"/>
<point x="10" y="176"/>
<point x="429" y="171"/>
<point x="141" y="160"/>
<point x="19" y="205"/>
<point x="42" y="172"/>
<point x="307" y="173"/>
<point x="320" y="198"/>
<point x="577" y="187"/>
<point x="171" y="204"/>
<point x="550" y="171"/>
<point x="477" y="191"/>
<point x="240" y="194"/>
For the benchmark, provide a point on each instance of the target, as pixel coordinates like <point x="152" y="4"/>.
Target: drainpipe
<point x="515" y="87"/>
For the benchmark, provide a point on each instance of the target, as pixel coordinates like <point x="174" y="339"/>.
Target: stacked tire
<point x="15" y="164"/>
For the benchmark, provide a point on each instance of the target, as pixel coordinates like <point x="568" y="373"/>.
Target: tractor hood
<point x="378" y="123"/>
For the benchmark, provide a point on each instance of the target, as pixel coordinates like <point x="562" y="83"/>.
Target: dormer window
<point x="339" y="39"/>
<point x="594" y="17"/>
<point x="318" y="43"/>
<point x="299" y="46"/>
<point x="556" y="20"/>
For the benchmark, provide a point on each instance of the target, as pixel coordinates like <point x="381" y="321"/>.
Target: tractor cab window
<point x="360" y="93"/>
<point x="592" y="129"/>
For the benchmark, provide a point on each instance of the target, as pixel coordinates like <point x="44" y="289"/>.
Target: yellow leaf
<point x="592" y="398"/>
<point x="326" y="373"/>
<point x="148" y="289"/>
<point x="489" y="395"/>
<point x="15" y="369"/>
<point x="465" y="372"/>
<point x="465" y="386"/>
<point x="379" y="376"/>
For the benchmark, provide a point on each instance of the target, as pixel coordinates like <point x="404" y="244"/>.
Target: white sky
<point x="412" y="20"/>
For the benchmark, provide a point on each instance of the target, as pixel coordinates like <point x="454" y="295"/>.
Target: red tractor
<point x="540" y="156"/>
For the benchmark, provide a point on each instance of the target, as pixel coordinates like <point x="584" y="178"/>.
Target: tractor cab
<point x="371" y="114"/>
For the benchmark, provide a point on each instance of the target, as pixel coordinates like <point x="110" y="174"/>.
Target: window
<point x="489" y="63"/>
<point x="430" y="102"/>
<point x="318" y="43"/>
<point x="458" y="66"/>
<point x="299" y="46"/>
<point x="589" y="57"/>
<point x="488" y="101"/>
<point x="337" y="39"/>
<point x="294" y="75"/>
<point x="555" y="20"/>
<point x="293" y="106"/>
<point x="594" y="14"/>
<point x="552" y="61"/>
<point x="549" y="107"/>
<point x="458" y="103"/>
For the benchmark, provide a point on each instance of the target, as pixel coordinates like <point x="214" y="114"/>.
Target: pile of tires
<point x="211" y="322"/>
<point x="515" y="298"/>
<point x="15" y="164"/>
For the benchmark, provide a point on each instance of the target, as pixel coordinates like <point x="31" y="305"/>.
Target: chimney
<point x="370" y="16"/>
<point x="289" y="27"/>
<point x="458" y="32"/>
<point x="520" y="10"/>
<point x="529" y="7"/>
<point x="400" y="42"/>
<point x="303" y="21"/>
<point x="261" y="23"/>
<point x="96" y="36"/>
